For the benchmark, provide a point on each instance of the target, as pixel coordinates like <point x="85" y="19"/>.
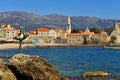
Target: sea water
<point x="74" y="61"/>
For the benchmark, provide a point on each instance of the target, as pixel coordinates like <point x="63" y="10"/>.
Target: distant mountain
<point x="33" y="21"/>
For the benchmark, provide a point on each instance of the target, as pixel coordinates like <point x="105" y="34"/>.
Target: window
<point x="7" y="31"/>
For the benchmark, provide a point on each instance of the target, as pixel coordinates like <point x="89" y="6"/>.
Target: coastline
<point x="9" y="46"/>
<point x="116" y="77"/>
<point x="25" y="46"/>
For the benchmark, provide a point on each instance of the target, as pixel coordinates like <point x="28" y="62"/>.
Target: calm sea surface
<point x="71" y="61"/>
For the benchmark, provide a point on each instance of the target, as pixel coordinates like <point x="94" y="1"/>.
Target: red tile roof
<point x="57" y="30"/>
<point x="81" y="34"/>
<point x="60" y="30"/>
<point x="103" y="35"/>
<point x="63" y="31"/>
<point x="32" y="32"/>
<point x="43" y="29"/>
<point x="8" y="28"/>
<point x="17" y="31"/>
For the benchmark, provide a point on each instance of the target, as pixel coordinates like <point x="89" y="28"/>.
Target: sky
<point x="93" y="8"/>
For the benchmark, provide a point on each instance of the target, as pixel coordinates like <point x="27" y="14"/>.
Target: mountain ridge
<point x="33" y="21"/>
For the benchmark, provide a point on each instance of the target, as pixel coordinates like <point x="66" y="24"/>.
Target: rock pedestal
<point x="26" y="67"/>
<point x="5" y="72"/>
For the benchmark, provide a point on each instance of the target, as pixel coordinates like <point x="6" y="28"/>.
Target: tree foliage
<point x="75" y="30"/>
<point x="95" y="30"/>
<point x="113" y="38"/>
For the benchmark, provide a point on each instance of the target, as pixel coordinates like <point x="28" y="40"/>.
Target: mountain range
<point x="20" y="19"/>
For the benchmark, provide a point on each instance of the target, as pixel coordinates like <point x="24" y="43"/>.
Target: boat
<point x="35" y="42"/>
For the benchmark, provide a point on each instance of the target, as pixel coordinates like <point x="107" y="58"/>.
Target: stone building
<point x="79" y="38"/>
<point x="116" y="33"/>
<point x="45" y="35"/>
<point x="100" y="38"/>
<point x="86" y="37"/>
<point x="7" y="32"/>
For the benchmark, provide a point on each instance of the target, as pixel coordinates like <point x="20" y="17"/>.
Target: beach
<point x="27" y="45"/>
<point x="16" y="45"/>
<point x="8" y="46"/>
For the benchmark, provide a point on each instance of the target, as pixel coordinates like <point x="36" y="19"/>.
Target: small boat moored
<point x="35" y="42"/>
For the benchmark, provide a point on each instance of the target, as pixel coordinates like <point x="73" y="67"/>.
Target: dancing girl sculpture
<point x="21" y="36"/>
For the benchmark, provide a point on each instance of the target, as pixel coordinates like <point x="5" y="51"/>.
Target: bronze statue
<point x="21" y="36"/>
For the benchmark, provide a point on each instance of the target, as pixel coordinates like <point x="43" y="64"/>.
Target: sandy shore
<point x="16" y="45"/>
<point x="8" y="46"/>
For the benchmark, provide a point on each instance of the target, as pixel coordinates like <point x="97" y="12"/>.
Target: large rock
<point x="27" y="67"/>
<point x="5" y="72"/>
<point x="94" y="74"/>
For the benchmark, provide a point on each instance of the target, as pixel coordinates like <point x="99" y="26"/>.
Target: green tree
<point x="95" y="30"/>
<point x="113" y="38"/>
<point x="75" y="30"/>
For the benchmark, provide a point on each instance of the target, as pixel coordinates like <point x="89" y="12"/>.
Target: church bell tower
<point x="68" y="25"/>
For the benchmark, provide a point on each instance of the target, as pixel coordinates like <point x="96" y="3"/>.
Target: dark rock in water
<point x="5" y="72"/>
<point x="26" y="67"/>
<point x="100" y="75"/>
<point x="109" y="77"/>
<point x="95" y="74"/>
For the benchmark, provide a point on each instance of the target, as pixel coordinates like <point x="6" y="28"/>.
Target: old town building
<point x="116" y="33"/>
<point x="79" y="38"/>
<point x="7" y="32"/>
<point x="45" y="35"/>
<point x="86" y="37"/>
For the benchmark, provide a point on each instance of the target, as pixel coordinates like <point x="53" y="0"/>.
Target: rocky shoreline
<point x="26" y="67"/>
